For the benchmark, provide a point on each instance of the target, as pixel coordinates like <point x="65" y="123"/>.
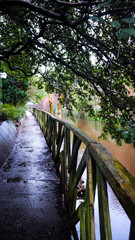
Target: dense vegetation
<point x="8" y="111"/>
<point x="14" y="89"/>
<point x="13" y="95"/>
<point x="64" y="36"/>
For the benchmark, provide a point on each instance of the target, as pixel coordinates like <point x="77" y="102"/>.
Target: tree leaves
<point x="15" y="89"/>
<point x="105" y="3"/>
<point x="63" y="37"/>
<point x="125" y="33"/>
<point x="116" y="24"/>
<point x="129" y="133"/>
<point x="97" y="19"/>
<point x="128" y="20"/>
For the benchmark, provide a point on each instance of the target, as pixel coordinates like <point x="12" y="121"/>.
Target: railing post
<point x="47" y="128"/>
<point x="82" y="223"/>
<point x="72" y="171"/>
<point x="105" y="226"/>
<point x="44" y="123"/>
<point x="53" y="138"/>
<point x="59" y="141"/>
<point x="50" y="133"/>
<point x="68" y="145"/>
<point x="65" y="159"/>
<point x="42" y="120"/>
<point x="89" y="199"/>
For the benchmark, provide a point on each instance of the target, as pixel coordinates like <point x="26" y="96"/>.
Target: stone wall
<point x="7" y="139"/>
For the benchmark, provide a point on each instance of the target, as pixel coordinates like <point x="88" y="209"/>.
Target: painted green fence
<point x="64" y="141"/>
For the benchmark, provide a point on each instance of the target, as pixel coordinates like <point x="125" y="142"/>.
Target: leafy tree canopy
<point x="64" y="36"/>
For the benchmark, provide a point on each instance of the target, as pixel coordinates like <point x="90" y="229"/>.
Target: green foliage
<point x="63" y="36"/>
<point x="0" y="89"/>
<point x="8" y="111"/>
<point x="37" y="96"/>
<point x="36" y="89"/>
<point x="128" y="132"/>
<point x="125" y="33"/>
<point x="15" y="89"/>
<point x="116" y="24"/>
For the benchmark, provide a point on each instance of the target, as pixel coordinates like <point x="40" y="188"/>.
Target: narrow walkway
<point x="30" y="197"/>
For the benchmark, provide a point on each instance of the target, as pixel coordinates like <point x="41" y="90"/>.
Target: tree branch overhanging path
<point x="64" y="36"/>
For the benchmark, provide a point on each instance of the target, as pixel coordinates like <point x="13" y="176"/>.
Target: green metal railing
<point x="64" y="141"/>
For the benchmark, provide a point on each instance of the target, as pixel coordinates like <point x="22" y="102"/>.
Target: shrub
<point x="8" y="111"/>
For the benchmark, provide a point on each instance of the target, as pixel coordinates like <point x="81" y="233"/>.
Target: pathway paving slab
<point x="30" y="197"/>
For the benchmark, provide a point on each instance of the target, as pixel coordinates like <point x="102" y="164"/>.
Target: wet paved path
<point x="30" y="198"/>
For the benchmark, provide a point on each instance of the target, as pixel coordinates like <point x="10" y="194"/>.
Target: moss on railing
<point x="101" y="167"/>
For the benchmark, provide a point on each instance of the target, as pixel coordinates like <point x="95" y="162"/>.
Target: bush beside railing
<point x="101" y="168"/>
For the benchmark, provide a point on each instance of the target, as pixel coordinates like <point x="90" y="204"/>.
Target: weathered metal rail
<point x="64" y="141"/>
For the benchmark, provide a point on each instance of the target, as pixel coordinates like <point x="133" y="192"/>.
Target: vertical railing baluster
<point x="44" y="123"/>
<point x="38" y="116"/>
<point x="65" y="160"/>
<point x="89" y="199"/>
<point x="59" y="141"/>
<point x="72" y="171"/>
<point x="54" y="138"/>
<point x="82" y="223"/>
<point x="105" y="226"/>
<point x="73" y="161"/>
<point x="59" y="138"/>
<point x="63" y="174"/>
<point x="68" y="145"/>
<point x="46" y="128"/>
<point x="50" y="132"/>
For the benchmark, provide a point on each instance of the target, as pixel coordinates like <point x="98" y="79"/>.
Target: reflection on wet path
<point x="31" y="206"/>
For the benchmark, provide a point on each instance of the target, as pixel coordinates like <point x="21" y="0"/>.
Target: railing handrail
<point x="85" y="137"/>
<point x="120" y="180"/>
